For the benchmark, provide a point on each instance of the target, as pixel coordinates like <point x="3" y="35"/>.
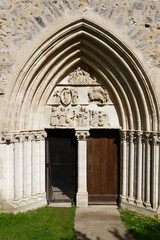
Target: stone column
<point x="34" y="155"/>
<point x="123" y="135"/>
<point x="131" y="167"/>
<point x="139" y="168"/>
<point x="42" y="162"/>
<point x="155" y="166"/>
<point x="18" y="156"/>
<point x="82" y="194"/>
<point x="26" y="166"/>
<point x="143" y="168"/>
<point x="148" y="171"/>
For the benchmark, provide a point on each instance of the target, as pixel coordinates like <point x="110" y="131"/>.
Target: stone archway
<point x="136" y="108"/>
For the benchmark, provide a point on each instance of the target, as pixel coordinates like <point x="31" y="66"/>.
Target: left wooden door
<point x="61" y="165"/>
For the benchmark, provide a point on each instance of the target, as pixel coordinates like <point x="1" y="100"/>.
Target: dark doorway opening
<point x="103" y="166"/>
<point x="61" y="165"/>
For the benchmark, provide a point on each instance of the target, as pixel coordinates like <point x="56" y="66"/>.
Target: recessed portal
<point x="61" y="162"/>
<point x="103" y="167"/>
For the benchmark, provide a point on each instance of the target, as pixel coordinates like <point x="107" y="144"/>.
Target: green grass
<point x="141" y="227"/>
<point x="46" y="223"/>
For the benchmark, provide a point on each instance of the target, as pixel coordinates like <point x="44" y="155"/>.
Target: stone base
<point x="82" y="200"/>
<point x="23" y="206"/>
<point x="60" y="204"/>
<point x="139" y="209"/>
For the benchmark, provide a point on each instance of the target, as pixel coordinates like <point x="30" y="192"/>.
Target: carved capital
<point x="38" y="136"/>
<point x="139" y="136"/>
<point x="131" y="136"/>
<point x="154" y="138"/>
<point x="123" y="135"/>
<point x="82" y="135"/>
<point x="146" y="137"/>
<point x="7" y="139"/>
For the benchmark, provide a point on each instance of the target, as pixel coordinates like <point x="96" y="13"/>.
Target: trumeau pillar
<point x="82" y="194"/>
<point x="131" y="166"/>
<point x="123" y="135"/>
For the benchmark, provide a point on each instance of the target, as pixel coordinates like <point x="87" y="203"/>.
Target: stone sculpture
<point x="97" y="118"/>
<point x="82" y="77"/>
<point x="98" y="94"/>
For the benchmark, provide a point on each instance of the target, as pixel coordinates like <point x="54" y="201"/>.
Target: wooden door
<point x="61" y="162"/>
<point x="103" y="167"/>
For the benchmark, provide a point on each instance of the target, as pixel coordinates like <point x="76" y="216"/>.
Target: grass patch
<point x="46" y="223"/>
<point x="141" y="227"/>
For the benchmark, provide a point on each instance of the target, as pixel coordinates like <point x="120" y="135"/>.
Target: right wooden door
<point x="103" y="167"/>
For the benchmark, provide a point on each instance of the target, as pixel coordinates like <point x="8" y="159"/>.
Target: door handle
<point x="89" y="168"/>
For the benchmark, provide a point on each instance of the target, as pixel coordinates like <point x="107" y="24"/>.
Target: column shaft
<point x="148" y="171"/>
<point x="27" y="169"/>
<point x="33" y="168"/>
<point x="131" y="166"/>
<point x="124" y="164"/>
<point x="155" y="166"/>
<point x="139" y="170"/>
<point x="42" y="166"/>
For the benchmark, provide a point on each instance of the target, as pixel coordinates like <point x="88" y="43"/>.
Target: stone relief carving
<point x="57" y="97"/>
<point x="82" y="116"/>
<point x="65" y="96"/>
<point x="82" y="77"/>
<point x="98" y="94"/>
<point x="98" y="118"/>
<point x="74" y="96"/>
<point x="77" y="117"/>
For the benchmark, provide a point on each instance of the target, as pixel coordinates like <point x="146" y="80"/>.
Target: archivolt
<point x="83" y="41"/>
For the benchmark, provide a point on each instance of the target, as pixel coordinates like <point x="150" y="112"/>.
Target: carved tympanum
<point x="98" y="94"/>
<point x="82" y="77"/>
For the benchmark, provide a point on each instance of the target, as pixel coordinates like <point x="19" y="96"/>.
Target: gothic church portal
<point x="80" y="118"/>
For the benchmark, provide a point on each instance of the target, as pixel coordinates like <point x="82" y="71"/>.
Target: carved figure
<point x="80" y="76"/>
<point x="97" y="118"/>
<point x="74" y="95"/>
<point x="98" y="94"/>
<point x="82" y="116"/>
<point x="94" y="118"/>
<point x="101" y="118"/>
<point x="66" y="96"/>
<point x="54" y="117"/>
<point x="70" y="116"/>
<point x="62" y="117"/>
<point x="56" y="97"/>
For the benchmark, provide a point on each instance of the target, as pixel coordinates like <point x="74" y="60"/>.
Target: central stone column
<point x="82" y="194"/>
